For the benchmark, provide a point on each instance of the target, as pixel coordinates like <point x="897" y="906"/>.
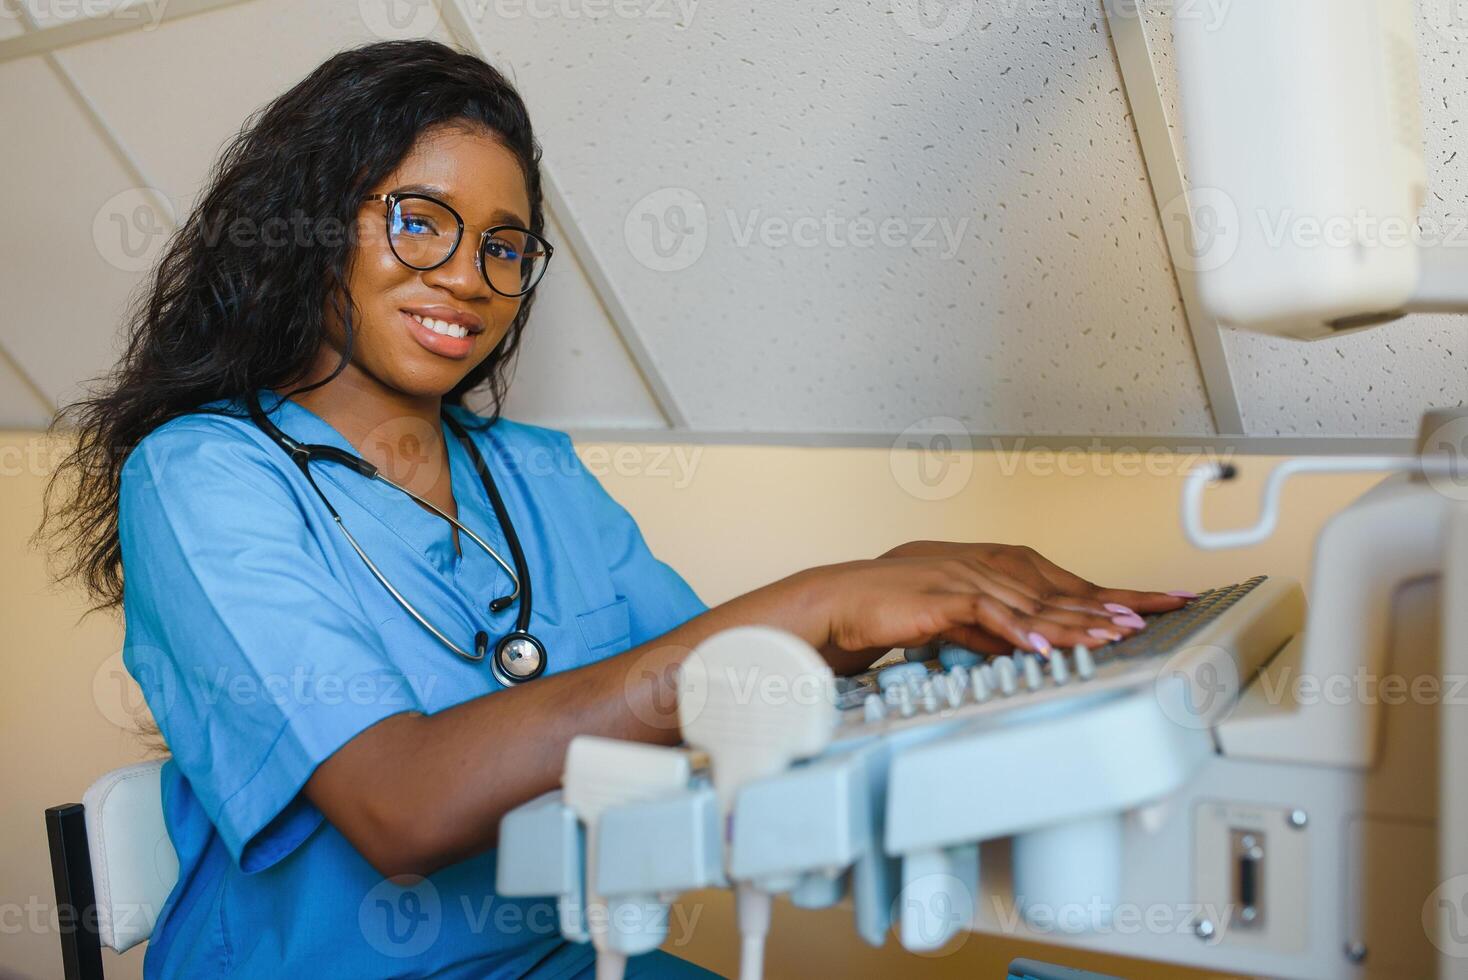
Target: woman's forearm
<point x="418" y="792"/>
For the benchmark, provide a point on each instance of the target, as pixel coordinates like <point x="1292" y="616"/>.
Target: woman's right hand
<point x="859" y="610"/>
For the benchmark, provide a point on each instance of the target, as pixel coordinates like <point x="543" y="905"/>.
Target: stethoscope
<point x="518" y="656"/>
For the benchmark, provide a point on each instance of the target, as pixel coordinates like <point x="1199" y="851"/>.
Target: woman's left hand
<point x="1049" y="581"/>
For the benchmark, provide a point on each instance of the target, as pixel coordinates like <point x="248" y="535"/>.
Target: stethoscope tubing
<point x="302" y="454"/>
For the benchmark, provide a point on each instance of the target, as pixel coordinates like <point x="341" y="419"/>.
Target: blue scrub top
<point x="263" y="644"/>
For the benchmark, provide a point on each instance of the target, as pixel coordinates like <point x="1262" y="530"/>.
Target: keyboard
<point x="1216" y="643"/>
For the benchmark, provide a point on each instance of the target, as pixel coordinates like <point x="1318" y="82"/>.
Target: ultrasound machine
<point x="1254" y="784"/>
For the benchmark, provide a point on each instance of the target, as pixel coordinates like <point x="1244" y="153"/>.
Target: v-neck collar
<point x="426" y="533"/>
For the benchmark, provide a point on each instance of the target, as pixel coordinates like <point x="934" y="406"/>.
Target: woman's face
<point x="469" y="170"/>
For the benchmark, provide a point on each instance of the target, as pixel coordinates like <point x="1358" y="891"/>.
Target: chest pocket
<point x="607" y="629"/>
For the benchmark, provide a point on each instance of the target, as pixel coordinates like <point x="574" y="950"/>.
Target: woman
<point x="365" y="255"/>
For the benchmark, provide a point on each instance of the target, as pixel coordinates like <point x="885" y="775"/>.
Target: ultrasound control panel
<point x="880" y="789"/>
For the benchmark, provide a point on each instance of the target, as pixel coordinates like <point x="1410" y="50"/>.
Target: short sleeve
<point x="256" y="661"/>
<point x="658" y="598"/>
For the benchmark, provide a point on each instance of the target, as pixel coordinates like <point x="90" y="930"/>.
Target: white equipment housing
<point x="1303" y="130"/>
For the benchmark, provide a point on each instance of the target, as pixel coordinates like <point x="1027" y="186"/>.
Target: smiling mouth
<point x="442" y="327"/>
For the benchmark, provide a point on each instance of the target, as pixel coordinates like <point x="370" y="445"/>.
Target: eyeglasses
<point x="424" y="233"/>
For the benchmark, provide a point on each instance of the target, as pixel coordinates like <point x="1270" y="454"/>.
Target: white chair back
<point x="134" y="866"/>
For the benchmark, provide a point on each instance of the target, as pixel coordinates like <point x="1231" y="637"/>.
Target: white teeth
<point x="440" y="326"/>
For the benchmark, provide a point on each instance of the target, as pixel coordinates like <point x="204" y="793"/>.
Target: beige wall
<point x="729" y="518"/>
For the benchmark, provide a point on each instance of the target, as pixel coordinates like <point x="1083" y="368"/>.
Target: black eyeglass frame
<point x="395" y="197"/>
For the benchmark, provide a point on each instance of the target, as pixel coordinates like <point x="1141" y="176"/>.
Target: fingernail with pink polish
<point x="1131" y="622"/>
<point x="1119" y="609"/>
<point x="1183" y="595"/>
<point x="1039" y="643"/>
<point x="1107" y="635"/>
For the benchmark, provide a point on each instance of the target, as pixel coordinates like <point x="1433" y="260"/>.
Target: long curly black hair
<point x="222" y="316"/>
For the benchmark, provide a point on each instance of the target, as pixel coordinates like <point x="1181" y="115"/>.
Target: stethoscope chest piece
<point x="518" y="657"/>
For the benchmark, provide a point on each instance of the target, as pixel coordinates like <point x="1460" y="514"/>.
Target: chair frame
<point x="76" y="895"/>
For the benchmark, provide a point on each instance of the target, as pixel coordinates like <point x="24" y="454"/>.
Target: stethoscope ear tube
<point x="518" y="656"/>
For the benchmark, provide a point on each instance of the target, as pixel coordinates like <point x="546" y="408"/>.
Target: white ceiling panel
<point x="176" y="94"/>
<point x="65" y="281"/>
<point x="21" y="406"/>
<point x="821" y="220"/>
<point x="573" y="370"/>
<point x="735" y="167"/>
